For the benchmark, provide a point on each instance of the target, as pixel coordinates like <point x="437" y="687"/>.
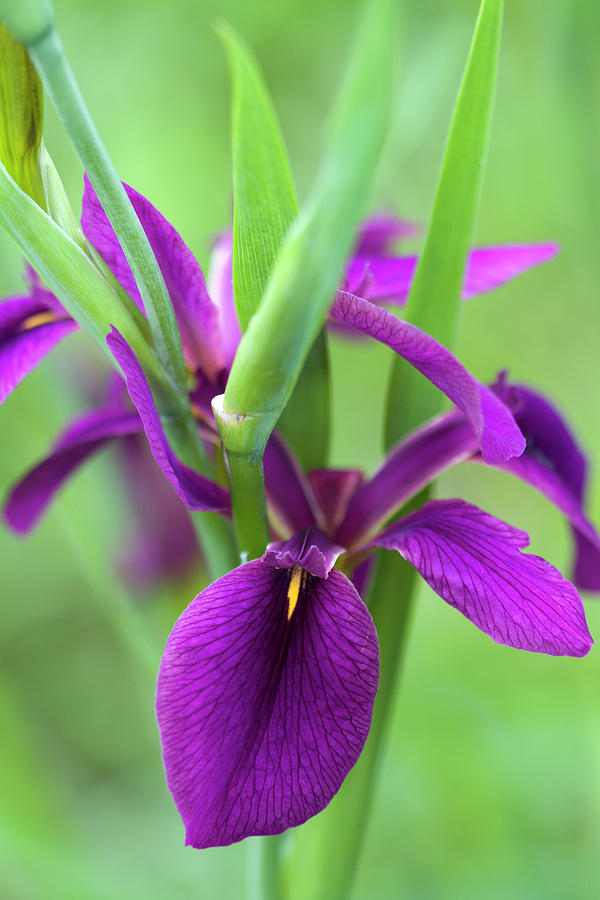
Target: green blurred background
<point x="490" y="786"/>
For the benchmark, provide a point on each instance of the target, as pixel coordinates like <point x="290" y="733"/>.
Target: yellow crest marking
<point x="294" y="589"/>
<point x="39" y="319"/>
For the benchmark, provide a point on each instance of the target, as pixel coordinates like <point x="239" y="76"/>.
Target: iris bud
<point x="27" y="20"/>
<point x="21" y="116"/>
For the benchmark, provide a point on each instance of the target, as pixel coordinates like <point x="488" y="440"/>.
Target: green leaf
<point x="435" y="296"/>
<point x="264" y="197"/>
<point x="292" y="313"/>
<point x="264" y="206"/>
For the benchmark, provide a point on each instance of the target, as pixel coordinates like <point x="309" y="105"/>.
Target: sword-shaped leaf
<point x="434" y="299"/>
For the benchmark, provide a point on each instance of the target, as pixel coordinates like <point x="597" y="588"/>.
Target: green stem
<point x="246" y="482"/>
<point x="218" y="546"/>
<point x="332" y="840"/>
<point x="263" y="867"/>
<point x="49" y="58"/>
<point x="248" y="505"/>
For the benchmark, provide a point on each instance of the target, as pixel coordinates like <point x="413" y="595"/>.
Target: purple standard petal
<point x="474" y="562"/>
<point x="197" y="316"/>
<point x="334" y="489"/>
<point x="492" y="422"/>
<point x="88" y="434"/>
<point x="388" y="279"/>
<point x="289" y="494"/>
<point x="412" y="465"/>
<point x="21" y="351"/>
<point x="196" y="491"/>
<point x="555" y="465"/>
<point x="220" y="285"/>
<point x="262" y="714"/>
<point x="378" y="234"/>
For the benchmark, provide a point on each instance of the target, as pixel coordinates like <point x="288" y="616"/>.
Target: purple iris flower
<point x="268" y="680"/>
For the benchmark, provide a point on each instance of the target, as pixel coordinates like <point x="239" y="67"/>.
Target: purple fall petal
<point x="197" y="316"/>
<point x="474" y="562"/>
<point x="554" y="464"/>
<point x="494" y="425"/>
<point x="310" y="549"/>
<point x="89" y="433"/>
<point x="413" y="464"/>
<point x="388" y="279"/>
<point x="261" y="715"/>
<point x="23" y="350"/>
<point x="196" y="491"/>
<point x="14" y="311"/>
<point x="490" y="267"/>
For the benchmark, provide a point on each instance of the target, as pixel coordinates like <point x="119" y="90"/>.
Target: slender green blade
<point x="264" y="206"/>
<point x="282" y="331"/>
<point x="48" y="56"/>
<point x="435" y="296"/>
<point x="264" y="197"/>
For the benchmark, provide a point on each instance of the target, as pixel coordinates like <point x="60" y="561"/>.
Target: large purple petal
<point x="197" y="316"/>
<point x="262" y="715"/>
<point x="413" y="464"/>
<point x="388" y="279"/>
<point x="21" y="352"/>
<point x="88" y="434"/>
<point x="494" y="425"/>
<point x="474" y="561"/>
<point x="196" y="491"/>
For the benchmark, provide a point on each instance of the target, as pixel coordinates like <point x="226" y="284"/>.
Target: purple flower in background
<point x="377" y="274"/>
<point x="267" y="684"/>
